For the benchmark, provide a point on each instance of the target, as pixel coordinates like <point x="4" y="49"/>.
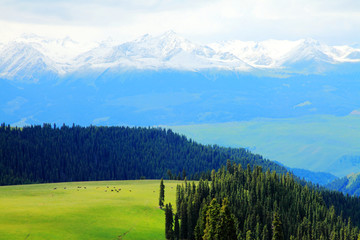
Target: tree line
<point x="255" y="205"/>
<point x="48" y="153"/>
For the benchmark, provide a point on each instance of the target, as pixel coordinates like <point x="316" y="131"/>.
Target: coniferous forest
<point x="251" y="204"/>
<point x="39" y="154"/>
<point x="260" y="201"/>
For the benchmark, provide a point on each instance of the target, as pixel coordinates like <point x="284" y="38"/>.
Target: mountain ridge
<point x="172" y="51"/>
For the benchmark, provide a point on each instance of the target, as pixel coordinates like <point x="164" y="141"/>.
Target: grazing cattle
<point x="54" y="188"/>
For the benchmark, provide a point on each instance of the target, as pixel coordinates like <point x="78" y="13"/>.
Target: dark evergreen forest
<point x="47" y="153"/>
<point x="251" y="204"/>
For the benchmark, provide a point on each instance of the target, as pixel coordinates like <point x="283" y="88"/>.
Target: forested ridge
<point x="47" y="153"/>
<point x="252" y="204"/>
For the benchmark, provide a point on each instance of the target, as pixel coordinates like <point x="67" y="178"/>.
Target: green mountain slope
<point x="316" y="143"/>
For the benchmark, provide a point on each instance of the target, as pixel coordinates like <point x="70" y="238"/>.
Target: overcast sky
<point x="334" y="22"/>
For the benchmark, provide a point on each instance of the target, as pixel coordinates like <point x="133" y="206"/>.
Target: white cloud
<point x="331" y="21"/>
<point x="355" y="112"/>
<point x="98" y="121"/>
<point x="303" y="104"/>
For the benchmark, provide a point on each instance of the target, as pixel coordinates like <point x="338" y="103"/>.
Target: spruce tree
<point x="277" y="228"/>
<point x="184" y="221"/>
<point x="176" y="227"/>
<point x="212" y="220"/>
<point x="226" y="226"/>
<point x="162" y="194"/>
<point x="249" y="235"/>
<point x="169" y="220"/>
<point x="201" y="223"/>
<point x="265" y="233"/>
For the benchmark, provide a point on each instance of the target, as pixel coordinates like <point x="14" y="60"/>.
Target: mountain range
<point x="171" y="81"/>
<point x="30" y="57"/>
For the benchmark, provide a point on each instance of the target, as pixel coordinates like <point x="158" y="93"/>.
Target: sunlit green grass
<point x="40" y="211"/>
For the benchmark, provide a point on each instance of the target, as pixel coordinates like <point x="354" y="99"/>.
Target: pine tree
<point x="212" y="220"/>
<point x="162" y="194"/>
<point x="176" y="227"/>
<point x="265" y="233"/>
<point x="249" y="235"/>
<point x="184" y="221"/>
<point x="169" y="220"/>
<point x="201" y="223"/>
<point x="226" y="226"/>
<point x="277" y="228"/>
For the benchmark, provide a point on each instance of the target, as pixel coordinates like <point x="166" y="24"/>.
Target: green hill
<point x="38" y="154"/>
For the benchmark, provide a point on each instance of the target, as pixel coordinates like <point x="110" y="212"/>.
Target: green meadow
<point x="84" y="210"/>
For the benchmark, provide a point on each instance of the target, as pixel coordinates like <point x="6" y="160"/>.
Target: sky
<point x="335" y="22"/>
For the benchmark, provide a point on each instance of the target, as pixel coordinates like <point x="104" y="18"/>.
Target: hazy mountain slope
<point x="348" y="185"/>
<point x="346" y="164"/>
<point x="314" y="142"/>
<point x="321" y="178"/>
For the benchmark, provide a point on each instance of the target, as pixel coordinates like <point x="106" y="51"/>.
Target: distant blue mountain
<point x="174" y="98"/>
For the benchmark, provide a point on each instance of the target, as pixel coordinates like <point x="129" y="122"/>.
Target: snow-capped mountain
<point x="294" y="56"/>
<point x="62" y="50"/>
<point x="167" y="51"/>
<point x="264" y="54"/>
<point x="23" y="62"/>
<point x="30" y="56"/>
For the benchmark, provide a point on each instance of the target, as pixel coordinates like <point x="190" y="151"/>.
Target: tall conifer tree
<point x="277" y="228"/>
<point x="162" y="194"/>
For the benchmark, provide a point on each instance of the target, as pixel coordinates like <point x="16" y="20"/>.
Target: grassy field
<point x="310" y="142"/>
<point x="72" y="211"/>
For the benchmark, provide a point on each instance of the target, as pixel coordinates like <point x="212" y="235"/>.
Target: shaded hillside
<point x="348" y="185"/>
<point x="250" y="204"/>
<point x="47" y="153"/>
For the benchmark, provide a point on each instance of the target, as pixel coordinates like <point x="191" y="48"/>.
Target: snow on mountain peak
<point x="172" y="51"/>
<point x="22" y="61"/>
